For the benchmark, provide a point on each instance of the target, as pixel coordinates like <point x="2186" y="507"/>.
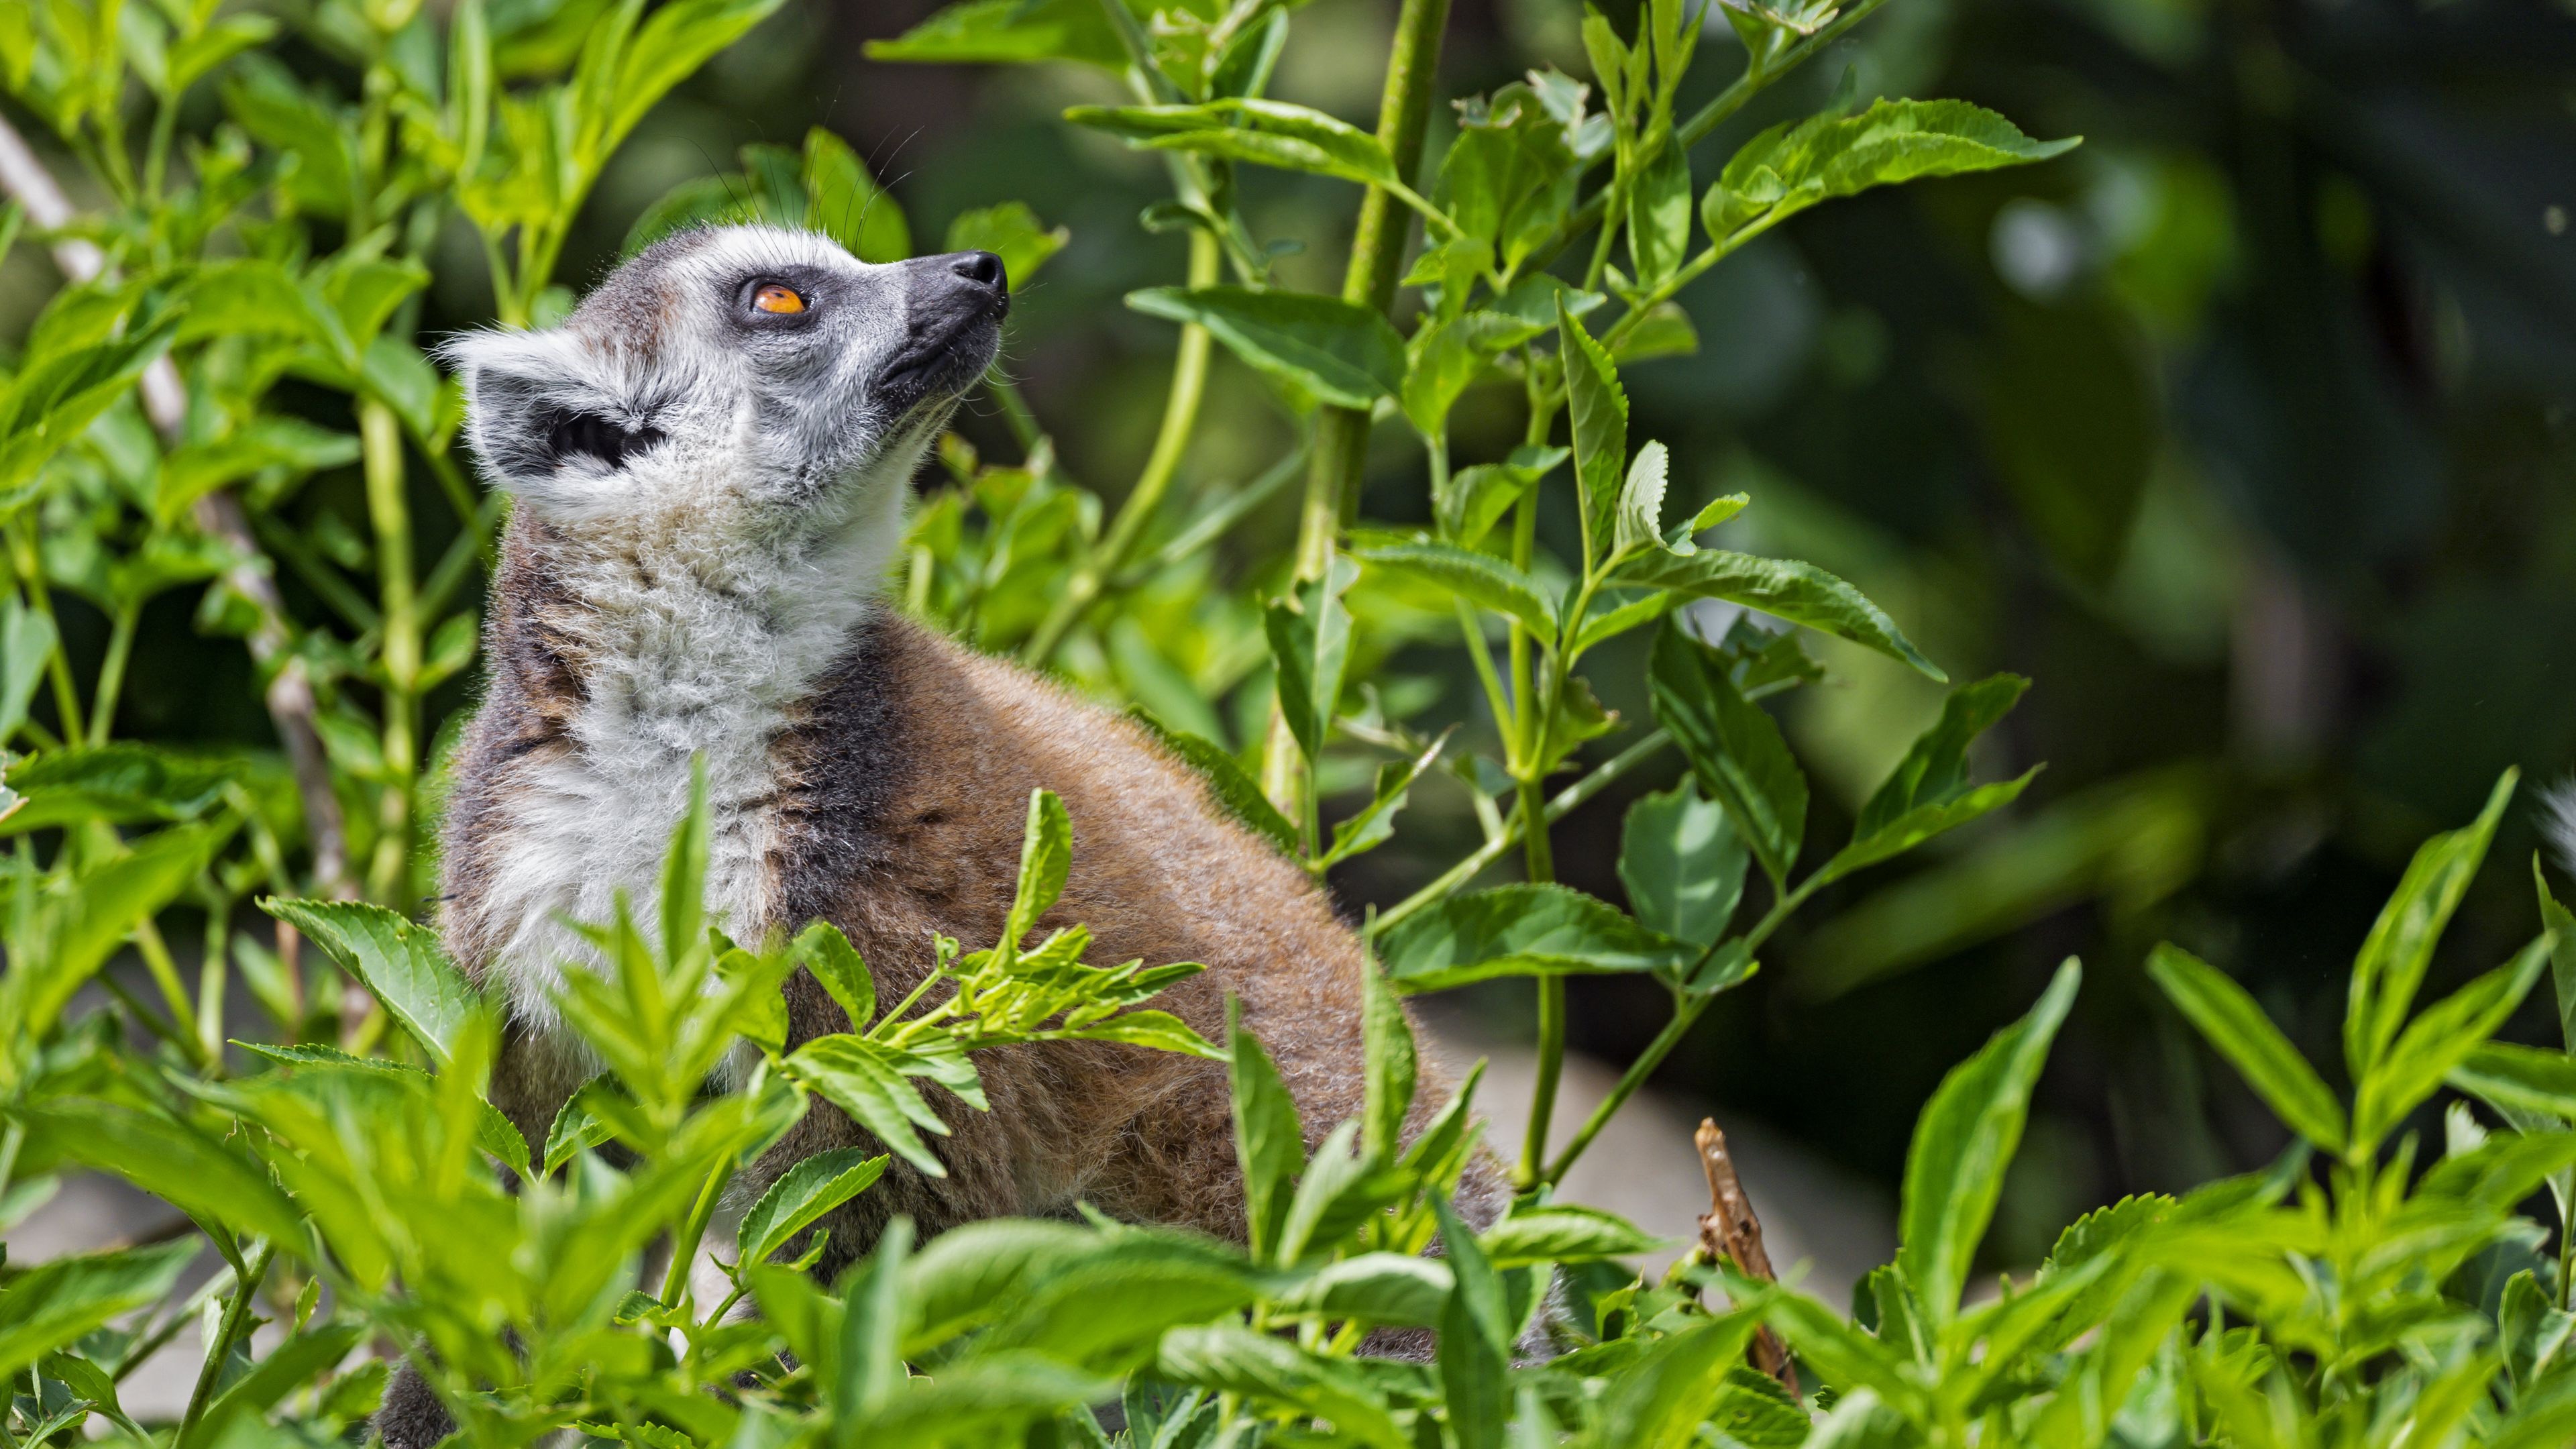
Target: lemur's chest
<point x="669" y="672"/>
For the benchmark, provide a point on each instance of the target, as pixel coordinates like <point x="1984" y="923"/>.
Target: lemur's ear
<point x="547" y="419"/>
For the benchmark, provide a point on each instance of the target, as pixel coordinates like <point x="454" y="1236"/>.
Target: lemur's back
<point x="908" y="785"/>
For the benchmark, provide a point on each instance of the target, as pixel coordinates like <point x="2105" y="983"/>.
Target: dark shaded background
<point x="2244" y="431"/>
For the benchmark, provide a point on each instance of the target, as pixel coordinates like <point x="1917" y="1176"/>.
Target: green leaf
<point x="1641" y="500"/>
<point x="840" y="970"/>
<point x="866" y="1369"/>
<point x="1661" y="1400"/>
<point x="1278" y="1375"/>
<point x="2393" y="957"/>
<point x="1563" y="1233"/>
<point x="1004" y="32"/>
<point x="2227" y="1015"/>
<point x="1683" y="864"/>
<point x="398" y="961"/>
<point x="1523" y="930"/>
<point x="1012" y="232"/>
<point x="1964" y="1141"/>
<point x="2528" y="1079"/>
<point x="120" y="783"/>
<point x="1478" y="497"/>
<point x="1935" y="769"/>
<point x="1373" y="824"/>
<point x="1924" y="822"/>
<point x="61" y="942"/>
<point x="1474" y="1350"/>
<point x="867" y="1080"/>
<point x="1340" y="1191"/>
<point x="1480" y="578"/>
<point x="1734" y="747"/>
<point x="1379" y="1288"/>
<point x="1597" y="412"/>
<point x="1232" y="786"/>
<point x="1659" y="214"/>
<point x="684" y="870"/>
<point x="1046" y="859"/>
<point x="802" y="1194"/>
<point x="1320" y="347"/>
<point x="54" y="1303"/>
<point x="1269" y="1141"/>
<point x="1310" y="644"/>
<point x="1262" y="132"/>
<point x="2438" y="1040"/>
<point x="1391" y="1064"/>
<point x="2561" y="926"/>
<point x="26" y="645"/>
<point x="1157" y="1029"/>
<point x="845" y="203"/>
<point x="57" y="395"/>
<point x="217" y="1186"/>
<point x="1784" y="588"/>
<point x="670" y="46"/>
<point x="1791" y="167"/>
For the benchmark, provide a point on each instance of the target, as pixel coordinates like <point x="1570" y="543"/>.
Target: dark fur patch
<point x="571" y="435"/>
<point x="840" y="767"/>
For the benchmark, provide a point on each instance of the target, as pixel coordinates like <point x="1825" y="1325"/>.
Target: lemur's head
<point x="748" y="370"/>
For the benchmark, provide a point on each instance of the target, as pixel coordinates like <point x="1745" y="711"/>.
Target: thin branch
<point x="219" y="516"/>
<point x="1731" y="1231"/>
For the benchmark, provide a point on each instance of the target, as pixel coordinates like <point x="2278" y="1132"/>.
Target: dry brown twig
<point x="1729" y="1230"/>
<point x="218" y="515"/>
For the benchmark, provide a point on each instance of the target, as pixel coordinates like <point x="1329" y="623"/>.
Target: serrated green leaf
<point x="1784" y="588"/>
<point x="1735" y="748"/>
<point x="1320" y="347"/>
<point x="1480" y="578"/>
<point x="398" y="961"/>
<point x="1522" y="930"/>
<point x="803" y="1194"/>
<point x="1597" y="412"/>
<point x="1226" y="779"/>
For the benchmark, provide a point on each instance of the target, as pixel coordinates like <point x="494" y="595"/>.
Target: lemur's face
<point x="746" y="364"/>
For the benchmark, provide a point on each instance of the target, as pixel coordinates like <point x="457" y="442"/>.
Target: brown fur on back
<point x="901" y="795"/>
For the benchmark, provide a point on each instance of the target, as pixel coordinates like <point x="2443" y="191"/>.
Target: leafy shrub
<point x="347" y="1170"/>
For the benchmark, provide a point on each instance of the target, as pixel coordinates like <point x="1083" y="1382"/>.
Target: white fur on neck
<point x="702" y="623"/>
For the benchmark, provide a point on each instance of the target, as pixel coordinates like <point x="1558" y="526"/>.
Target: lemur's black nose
<point x="983" y="269"/>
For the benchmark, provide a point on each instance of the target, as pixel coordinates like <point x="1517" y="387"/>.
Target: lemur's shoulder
<point x="908" y="787"/>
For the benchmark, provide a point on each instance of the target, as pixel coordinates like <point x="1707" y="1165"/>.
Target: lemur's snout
<point x="953" y="309"/>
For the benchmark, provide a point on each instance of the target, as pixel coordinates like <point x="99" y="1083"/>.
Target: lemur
<point x="711" y="460"/>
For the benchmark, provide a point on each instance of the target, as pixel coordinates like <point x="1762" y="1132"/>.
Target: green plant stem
<point x="684" y="1249"/>
<point x="227" y="1331"/>
<point x="1377" y="264"/>
<point x="1171" y="443"/>
<point x="381" y="447"/>
<point x="1567" y="799"/>
<point x="2566" y="1248"/>
<point x="165" y="976"/>
<point x="111" y="671"/>
<point x="1551" y="1002"/>
<point x="1686" y="1011"/>
<point x="12" y="1138"/>
<point x="31" y="572"/>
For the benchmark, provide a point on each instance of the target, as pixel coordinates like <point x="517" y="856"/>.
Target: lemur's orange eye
<point x="773" y="297"/>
